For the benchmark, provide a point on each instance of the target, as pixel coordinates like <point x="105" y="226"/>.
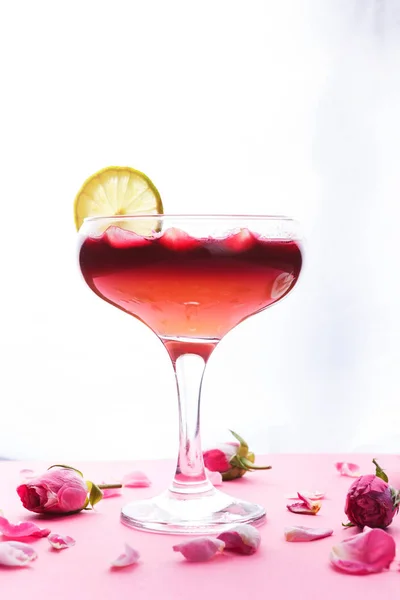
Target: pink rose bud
<point x="231" y="459"/>
<point x="370" y="502"/>
<point x="243" y="539"/>
<point x="59" y="490"/>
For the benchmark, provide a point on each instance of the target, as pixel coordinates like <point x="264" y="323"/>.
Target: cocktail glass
<point x="191" y="279"/>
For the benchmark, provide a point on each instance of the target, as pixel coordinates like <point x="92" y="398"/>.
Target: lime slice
<point x="118" y="191"/>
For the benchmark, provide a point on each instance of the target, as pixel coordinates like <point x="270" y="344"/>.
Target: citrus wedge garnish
<point x="118" y="191"/>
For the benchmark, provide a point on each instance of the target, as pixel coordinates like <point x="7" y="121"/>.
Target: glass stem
<point x="190" y="477"/>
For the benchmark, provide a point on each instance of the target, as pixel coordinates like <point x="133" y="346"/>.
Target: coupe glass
<point x="191" y="279"/>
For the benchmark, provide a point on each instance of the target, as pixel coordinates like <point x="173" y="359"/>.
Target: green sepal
<point x="86" y="505"/>
<point x="395" y="494"/>
<point x="243" y="448"/>
<point x="236" y="462"/>
<point x="349" y="524"/>
<point x="95" y="493"/>
<point x="66" y="467"/>
<point x="380" y="472"/>
<point x="234" y="473"/>
<point x="250" y="466"/>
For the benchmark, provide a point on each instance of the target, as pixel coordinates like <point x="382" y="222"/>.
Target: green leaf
<point x="66" y="467"/>
<point x="349" y="524"/>
<point x="380" y="472"/>
<point x="95" y="494"/>
<point x="244" y="448"/>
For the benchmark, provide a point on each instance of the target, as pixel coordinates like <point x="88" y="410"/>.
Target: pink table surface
<point x="280" y="570"/>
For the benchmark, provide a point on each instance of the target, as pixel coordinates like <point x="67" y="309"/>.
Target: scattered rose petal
<point x="21" y="529"/>
<point x="244" y="539"/>
<point x="347" y="469"/>
<point x="59" y="542"/>
<point x="110" y="492"/>
<point x="127" y="558"/>
<point x="27" y="474"/>
<point x="305" y="506"/>
<point x="214" y="477"/>
<point x="200" y="549"/>
<point x="306" y="534"/>
<point x="316" y="495"/>
<point x="368" y="552"/>
<point x="136" y="479"/>
<point x="16" y="554"/>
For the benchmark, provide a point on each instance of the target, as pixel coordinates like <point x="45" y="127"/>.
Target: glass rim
<point x="219" y="217"/>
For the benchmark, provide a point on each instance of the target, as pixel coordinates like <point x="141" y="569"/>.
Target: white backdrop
<point x="229" y="106"/>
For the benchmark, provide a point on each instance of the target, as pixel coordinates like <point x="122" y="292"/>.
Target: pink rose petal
<point x="16" y="554"/>
<point x="127" y="558"/>
<point x="315" y="495"/>
<point x="306" y="534"/>
<point x="243" y="539"/>
<point x="59" y="542"/>
<point x="111" y="492"/>
<point x="305" y="506"/>
<point x="27" y="474"/>
<point x="200" y="549"/>
<point x="368" y="552"/>
<point x="21" y="529"/>
<point x="214" y="477"/>
<point x="347" y="469"/>
<point x="136" y="479"/>
<point x="122" y="238"/>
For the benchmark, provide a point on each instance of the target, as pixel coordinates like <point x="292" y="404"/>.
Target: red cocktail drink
<point x="187" y="287"/>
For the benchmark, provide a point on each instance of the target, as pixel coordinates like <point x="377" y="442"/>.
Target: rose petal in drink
<point x="238" y="242"/>
<point x="122" y="238"/>
<point x="177" y="239"/>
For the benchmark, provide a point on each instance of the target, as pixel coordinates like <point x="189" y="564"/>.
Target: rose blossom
<point x="369" y="502"/>
<point x="231" y="459"/>
<point x="58" y="490"/>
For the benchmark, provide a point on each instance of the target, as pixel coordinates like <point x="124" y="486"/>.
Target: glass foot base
<point x="193" y="514"/>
